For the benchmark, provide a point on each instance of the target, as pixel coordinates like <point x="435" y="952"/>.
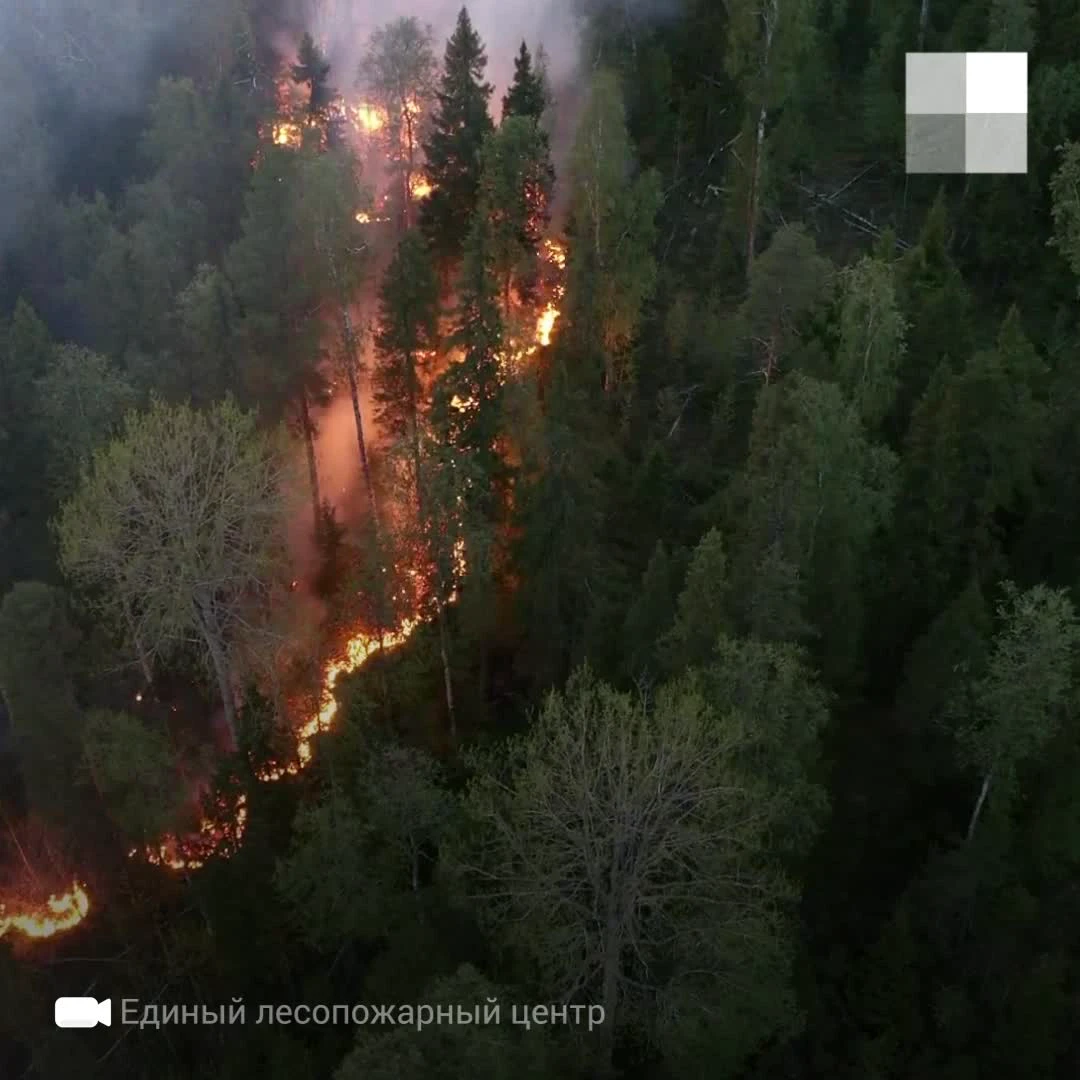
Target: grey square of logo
<point x="995" y="143"/>
<point x="935" y="144"/>
<point x="935" y="83"/>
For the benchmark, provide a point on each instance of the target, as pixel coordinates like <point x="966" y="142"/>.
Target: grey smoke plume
<point x="344" y="26"/>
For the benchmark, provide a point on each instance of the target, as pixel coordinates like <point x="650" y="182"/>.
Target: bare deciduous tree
<point x="624" y="850"/>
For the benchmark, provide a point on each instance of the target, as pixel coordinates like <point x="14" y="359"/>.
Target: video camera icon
<point x="82" y="1012"/>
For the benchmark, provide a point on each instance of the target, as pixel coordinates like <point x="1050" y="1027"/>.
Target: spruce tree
<point x="527" y="96"/>
<point x="460" y="124"/>
<point x="313" y="69"/>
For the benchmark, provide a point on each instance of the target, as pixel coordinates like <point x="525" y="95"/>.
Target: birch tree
<point x="176" y="533"/>
<point x="611" y="269"/>
<point x="765" y="41"/>
<point x="1007" y="717"/>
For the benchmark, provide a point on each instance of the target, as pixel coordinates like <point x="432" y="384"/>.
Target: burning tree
<point x="398" y="72"/>
<point x="406" y="343"/>
<point x="312" y="69"/>
<point x="177" y="534"/>
<point x="329" y="193"/>
<point x="515" y="190"/>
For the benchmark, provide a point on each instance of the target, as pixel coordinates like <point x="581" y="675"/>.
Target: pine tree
<point x="527" y="96"/>
<point x="460" y="124"/>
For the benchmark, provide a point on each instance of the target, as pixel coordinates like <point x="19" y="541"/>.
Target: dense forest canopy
<point x="530" y="511"/>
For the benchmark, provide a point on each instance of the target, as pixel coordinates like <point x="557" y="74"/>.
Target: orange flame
<point x="57" y="914"/>
<point x="546" y="323"/>
<point x="420" y="186"/>
<point x="366" y="118"/>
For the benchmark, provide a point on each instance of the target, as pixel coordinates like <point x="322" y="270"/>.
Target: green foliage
<point x="606" y="805"/>
<point x="786" y="282"/>
<point x="1065" y="192"/>
<point x="528" y="94"/>
<point x="817" y="491"/>
<point x="39" y="646"/>
<point x="175" y="531"/>
<point x="406" y="336"/>
<point x="451" y="1051"/>
<point x="360" y="860"/>
<point x="82" y="400"/>
<point x="871" y="347"/>
<point x="611" y="271"/>
<point x="1010" y="714"/>
<point x="452" y="149"/>
<point x="313" y="70"/>
<point x="134" y="770"/>
<point x="515" y="189"/>
<point x="701" y="615"/>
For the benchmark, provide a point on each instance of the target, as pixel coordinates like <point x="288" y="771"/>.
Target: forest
<point x="530" y="547"/>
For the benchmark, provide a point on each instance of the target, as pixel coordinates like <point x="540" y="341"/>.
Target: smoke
<point x="70" y="70"/>
<point x="343" y="27"/>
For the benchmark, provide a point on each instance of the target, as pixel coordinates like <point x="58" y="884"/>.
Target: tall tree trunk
<point x="754" y="195"/>
<point x="448" y="685"/>
<point x="769" y="16"/>
<point x="975" y="814"/>
<point x="444" y="650"/>
<point x="216" y="647"/>
<point x="312" y="461"/>
<point x="609" y="991"/>
<point x="924" y="19"/>
<point x="410" y="166"/>
<point x="352" y="365"/>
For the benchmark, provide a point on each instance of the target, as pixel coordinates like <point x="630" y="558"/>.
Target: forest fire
<point x="215" y="837"/>
<point x="546" y="323"/>
<point x="55" y="915"/>
<point x="419" y="186"/>
<point x="288" y="134"/>
<point x="221" y="831"/>
<point x="366" y="119"/>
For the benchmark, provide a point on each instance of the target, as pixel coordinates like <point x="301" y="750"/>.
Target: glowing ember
<point x="366" y="219"/>
<point x="213" y="838"/>
<point x="555" y="253"/>
<point x="286" y="134"/>
<point x="57" y="914"/>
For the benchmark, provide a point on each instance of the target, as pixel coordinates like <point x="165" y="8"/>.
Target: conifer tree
<point x="460" y="124"/>
<point x="515" y="192"/>
<point x="313" y="69"/>
<point x="527" y="96"/>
